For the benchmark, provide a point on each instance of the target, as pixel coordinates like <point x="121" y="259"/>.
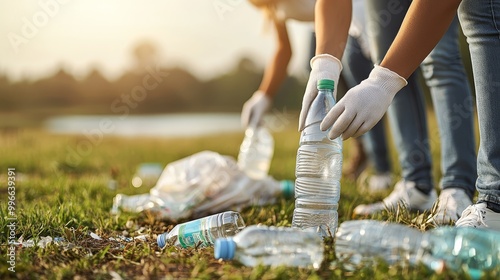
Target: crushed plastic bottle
<point x="183" y="185"/>
<point x="256" y="152"/>
<point x="202" y="232"/>
<point x="360" y="241"/>
<point x="318" y="169"/>
<point x="199" y="185"/>
<point x="189" y="180"/>
<point x="273" y="246"/>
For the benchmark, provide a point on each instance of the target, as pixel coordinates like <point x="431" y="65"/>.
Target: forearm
<point x="332" y="21"/>
<point x="276" y="69"/>
<point x="424" y="25"/>
<point x="275" y="72"/>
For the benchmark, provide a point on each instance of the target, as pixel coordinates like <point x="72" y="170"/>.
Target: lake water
<point x="168" y="125"/>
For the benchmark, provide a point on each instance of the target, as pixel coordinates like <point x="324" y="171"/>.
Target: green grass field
<point x="54" y="197"/>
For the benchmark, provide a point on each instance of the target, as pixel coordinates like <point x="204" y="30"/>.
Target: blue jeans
<point x="445" y="75"/>
<point x="480" y="20"/>
<point x="357" y="67"/>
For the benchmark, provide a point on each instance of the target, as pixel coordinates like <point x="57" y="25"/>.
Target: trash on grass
<point x="202" y="184"/>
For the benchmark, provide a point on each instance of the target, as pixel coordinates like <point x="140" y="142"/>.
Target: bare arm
<point x="332" y="21"/>
<point x="424" y="25"/>
<point x="276" y="70"/>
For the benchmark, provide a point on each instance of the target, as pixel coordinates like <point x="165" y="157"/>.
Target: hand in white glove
<point x="363" y="105"/>
<point x="323" y="66"/>
<point x="254" y="109"/>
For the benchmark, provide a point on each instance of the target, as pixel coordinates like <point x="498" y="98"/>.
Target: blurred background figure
<point x="277" y="13"/>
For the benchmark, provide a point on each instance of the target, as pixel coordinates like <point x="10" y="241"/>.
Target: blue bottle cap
<point x="161" y="240"/>
<point x="224" y="248"/>
<point x="288" y="188"/>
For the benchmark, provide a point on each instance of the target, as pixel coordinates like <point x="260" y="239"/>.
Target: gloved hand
<point x="363" y="105"/>
<point x="254" y="109"/>
<point x="323" y="66"/>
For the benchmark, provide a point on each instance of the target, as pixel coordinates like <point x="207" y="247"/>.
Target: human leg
<point x="480" y="21"/>
<point x="357" y="67"/>
<point x="445" y="75"/>
<point x="407" y="117"/>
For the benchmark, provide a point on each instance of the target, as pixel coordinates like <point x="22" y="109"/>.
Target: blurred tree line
<point x="173" y="90"/>
<point x="145" y="89"/>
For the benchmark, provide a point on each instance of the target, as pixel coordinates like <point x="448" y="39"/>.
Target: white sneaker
<point x="451" y="203"/>
<point x="479" y="216"/>
<point x="404" y="193"/>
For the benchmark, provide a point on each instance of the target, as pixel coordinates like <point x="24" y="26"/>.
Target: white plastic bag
<point x="199" y="185"/>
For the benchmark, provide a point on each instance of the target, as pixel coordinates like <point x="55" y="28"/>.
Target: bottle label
<point x="191" y="234"/>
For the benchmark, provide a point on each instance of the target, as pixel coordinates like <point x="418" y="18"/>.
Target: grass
<point x="55" y="197"/>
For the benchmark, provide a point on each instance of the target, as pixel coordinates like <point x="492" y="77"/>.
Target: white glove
<point x="254" y="109"/>
<point x="323" y="66"/>
<point x="363" y="105"/>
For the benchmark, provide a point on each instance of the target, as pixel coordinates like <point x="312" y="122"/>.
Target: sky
<point x="205" y="36"/>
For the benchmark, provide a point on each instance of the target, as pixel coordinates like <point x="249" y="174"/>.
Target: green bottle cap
<point x="288" y="188"/>
<point x="326" y="84"/>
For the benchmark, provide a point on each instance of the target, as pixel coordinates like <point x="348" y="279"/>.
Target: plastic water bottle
<point x="256" y="152"/>
<point x="318" y="169"/>
<point x="364" y="240"/>
<point x="272" y="246"/>
<point x="203" y="232"/>
<point x="474" y="250"/>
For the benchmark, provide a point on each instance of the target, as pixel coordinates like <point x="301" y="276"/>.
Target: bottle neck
<point x="325" y="91"/>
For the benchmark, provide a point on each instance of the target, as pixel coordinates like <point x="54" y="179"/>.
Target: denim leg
<point x="445" y="75"/>
<point x="375" y="145"/>
<point x="407" y="114"/>
<point x="357" y="67"/>
<point x="480" y="20"/>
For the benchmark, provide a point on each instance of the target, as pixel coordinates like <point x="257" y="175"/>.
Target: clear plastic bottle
<point x="202" y="232"/>
<point x="318" y="169"/>
<point x="365" y="240"/>
<point x="256" y="152"/>
<point x="272" y="246"/>
<point x="472" y="249"/>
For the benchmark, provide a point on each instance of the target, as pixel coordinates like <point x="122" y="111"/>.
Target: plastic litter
<point x="202" y="232"/>
<point x="42" y="242"/>
<point x="202" y="184"/>
<point x="95" y="236"/>
<point x="475" y="250"/>
<point x="256" y="152"/>
<point x="272" y="246"/>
